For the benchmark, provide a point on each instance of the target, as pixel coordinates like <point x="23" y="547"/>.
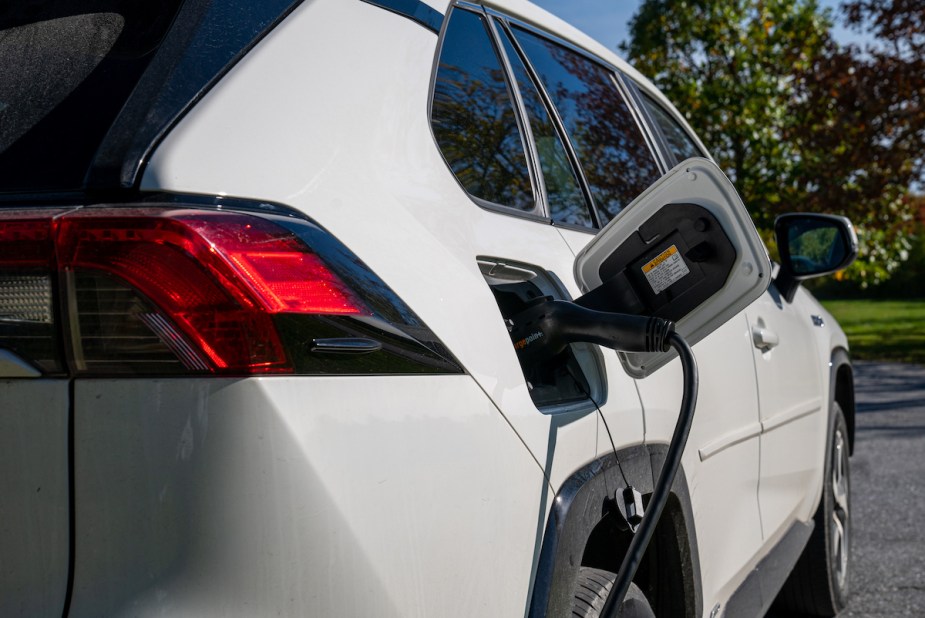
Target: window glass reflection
<point x="815" y="246"/>
<point x="473" y="117"/>
<point x="563" y="193"/>
<point x="613" y="153"/>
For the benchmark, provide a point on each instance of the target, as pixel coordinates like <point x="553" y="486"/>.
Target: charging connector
<point x="544" y="329"/>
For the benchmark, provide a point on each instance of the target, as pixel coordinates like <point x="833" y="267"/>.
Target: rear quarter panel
<point x="301" y="496"/>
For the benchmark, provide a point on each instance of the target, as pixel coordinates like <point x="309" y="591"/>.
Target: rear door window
<point x="564" y="197"/>
<point x="614" y="155"/>
<point x="473" y="117"/>
<point x="679" y="142"/>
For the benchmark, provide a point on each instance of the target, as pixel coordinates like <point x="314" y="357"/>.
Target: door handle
<point x="764" y="338"/>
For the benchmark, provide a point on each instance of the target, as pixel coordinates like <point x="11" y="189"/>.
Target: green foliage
<point x="799" y="123"/>
<point x="729" y="67"/>
<point x="859" y="132"/>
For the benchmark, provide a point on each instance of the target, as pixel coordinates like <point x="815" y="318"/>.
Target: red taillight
<point x="179" y="290"/>
<point x="25" y="240"/>
<point x="296" y="282"/>
<point x="217" y="276"/>
<point x="27" y="316"/>
<point x="277" y="266"/>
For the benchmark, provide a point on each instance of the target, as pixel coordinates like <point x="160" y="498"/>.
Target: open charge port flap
<point x="561" y="384"/>
<point x="676" y="260"/>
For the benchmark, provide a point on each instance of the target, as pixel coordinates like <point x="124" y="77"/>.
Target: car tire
<point x="593" y="587"/>
<point x="818" y="585"/>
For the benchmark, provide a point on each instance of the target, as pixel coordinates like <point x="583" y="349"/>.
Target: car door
<point x="722" y="461"/>
<point x="593" y="159"/>
<point x="793" y="407"/>
<point x="788" y="380"/>
<point x="723" y="454"/>
<point x="723" y="451"/>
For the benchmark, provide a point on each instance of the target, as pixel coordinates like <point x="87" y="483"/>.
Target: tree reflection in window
<point x="473" y="117"/>
<point x="613" y="153"/>
<point x="563" y="193"/>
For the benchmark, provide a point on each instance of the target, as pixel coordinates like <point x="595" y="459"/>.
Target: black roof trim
<point x="414" y="10"/>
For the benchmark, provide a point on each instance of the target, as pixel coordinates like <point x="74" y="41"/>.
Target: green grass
<point x="882" y="329"/>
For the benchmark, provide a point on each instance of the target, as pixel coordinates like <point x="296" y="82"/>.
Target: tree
<point x="729" y="67"/>
<point x="799" y="122"/>
<point x="860" y="130"/>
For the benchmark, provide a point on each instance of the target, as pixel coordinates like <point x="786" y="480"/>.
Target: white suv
<point x="264" y="273"/>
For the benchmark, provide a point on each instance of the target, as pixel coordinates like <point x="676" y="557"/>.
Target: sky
<point x="607" y="20"/>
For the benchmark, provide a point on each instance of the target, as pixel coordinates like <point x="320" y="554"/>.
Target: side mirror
<point x="810" y="246"/>
<point x="685" y="249"/>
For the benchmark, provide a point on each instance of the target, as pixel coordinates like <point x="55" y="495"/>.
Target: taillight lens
<point x="27" y="323"/>
<point x="217" y="277"/>
<point x="167" y="290"/>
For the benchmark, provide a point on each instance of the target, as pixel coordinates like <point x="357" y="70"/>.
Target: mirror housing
<point x="685" y="250"/>
<point x="812" y="245"/>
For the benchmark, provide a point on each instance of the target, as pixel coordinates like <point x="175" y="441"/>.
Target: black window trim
<point x="415" y="10"/>
<point x="553" y="112"/>
<point x="619" y="77"/>
<point x="657" y="134"/>
<point x="641" y="94"/>
<point x="648" y="129"/>
<point x="523" y="120"/>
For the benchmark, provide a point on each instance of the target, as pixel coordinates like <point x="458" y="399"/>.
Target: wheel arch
<point x="841" y="389"/>
<point x="582" y="531"/>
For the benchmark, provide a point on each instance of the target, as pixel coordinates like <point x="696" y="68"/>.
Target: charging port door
<point x="685" y="250"/>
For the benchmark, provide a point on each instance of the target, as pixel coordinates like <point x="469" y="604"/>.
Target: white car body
<point x="407" y="495"/>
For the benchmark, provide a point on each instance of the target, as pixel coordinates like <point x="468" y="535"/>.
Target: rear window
<point x="66" y="70"/>
<point x="617" y="162"/>
<point x="88" y="87"/>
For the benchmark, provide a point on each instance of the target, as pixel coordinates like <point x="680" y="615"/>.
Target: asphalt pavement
<point x="888" y="492"/>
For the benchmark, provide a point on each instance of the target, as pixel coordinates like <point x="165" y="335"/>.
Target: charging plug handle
<point x="544" y="329"/>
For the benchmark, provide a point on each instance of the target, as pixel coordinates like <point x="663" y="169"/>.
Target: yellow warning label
<point x="661" y="257"/>
<point x="665" y="269"/>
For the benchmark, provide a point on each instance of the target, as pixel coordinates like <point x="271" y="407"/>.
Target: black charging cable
<point x="666" y="477"/>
